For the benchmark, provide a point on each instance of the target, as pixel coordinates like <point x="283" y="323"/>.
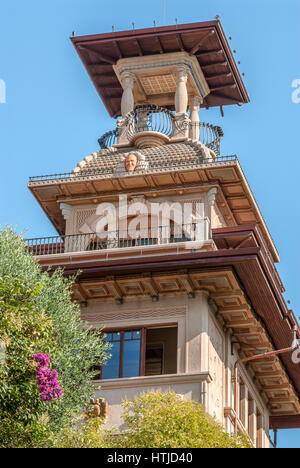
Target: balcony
<point x="150" y="125"/>
<point x="142" y="238"/>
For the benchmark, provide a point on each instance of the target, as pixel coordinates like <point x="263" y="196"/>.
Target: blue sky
<point x="53" y="115"/>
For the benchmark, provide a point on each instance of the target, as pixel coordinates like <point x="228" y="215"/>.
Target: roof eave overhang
<point x="249" y="266"/>
<point x="82" y="42"/>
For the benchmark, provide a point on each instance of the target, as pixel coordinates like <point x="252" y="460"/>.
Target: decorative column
<point x="127" y="105"/>
<point x="181" y="95"/>
<point x="260" y="431"/>
<point x="197" y="341"/>
<point x="195" y="104"/>
<point x="244" y="405"/>
<point x="67" y="214"/>
<point x="211" y="199"/>
<point x="181" y="130"/>
<point x="252" y="421"/>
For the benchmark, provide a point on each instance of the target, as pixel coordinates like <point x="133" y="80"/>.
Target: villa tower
<point x="176" y="260"/>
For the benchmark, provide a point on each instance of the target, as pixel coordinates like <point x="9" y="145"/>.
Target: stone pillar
<point x="204" y="337"/>
<point x="244" y="411"/>
<point x="252" y="421"/>
<point x="67" y="214"/>
<point x="211" y="198"/>
<point x="127" y="103"/>
<point x="195" y="104"/>
<point x="181" y="95"/>
<point x="260" y="431"/>
<point x="197" y="334"/>
<point x="181" y="129"/>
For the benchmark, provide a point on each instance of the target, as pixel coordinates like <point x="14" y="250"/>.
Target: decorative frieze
<point x="120" y="315"/>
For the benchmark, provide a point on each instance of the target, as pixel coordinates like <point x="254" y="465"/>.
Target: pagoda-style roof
<point x="206" y="41"/>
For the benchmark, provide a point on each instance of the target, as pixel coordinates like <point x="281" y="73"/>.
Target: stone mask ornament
<point x="131" y="162"/>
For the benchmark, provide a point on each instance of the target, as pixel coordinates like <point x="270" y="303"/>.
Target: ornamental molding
<point x="107" y="317"/>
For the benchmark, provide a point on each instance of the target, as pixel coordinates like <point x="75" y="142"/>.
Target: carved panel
<point x="82" y="216"/>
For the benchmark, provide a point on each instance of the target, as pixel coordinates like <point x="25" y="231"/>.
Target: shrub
<point x="164" y="420"/>
<point x="155" y="420"/>
<point x="38" y="316"/>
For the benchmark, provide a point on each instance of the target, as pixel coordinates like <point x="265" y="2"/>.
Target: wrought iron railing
<point x="119" y="239"/>
<point x="108" y="139"/>
<point x="210" y="135"/>
<point x="167" y="165"/>
<point x="151" y="118"/>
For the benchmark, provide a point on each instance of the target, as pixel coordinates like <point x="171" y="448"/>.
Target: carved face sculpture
<point x="131" y="162"/>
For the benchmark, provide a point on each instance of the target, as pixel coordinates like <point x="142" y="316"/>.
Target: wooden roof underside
<point x="205" y="40"/>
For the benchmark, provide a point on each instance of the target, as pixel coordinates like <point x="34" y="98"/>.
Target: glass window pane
<point x="111" y="368"/>
<point x="116" y="336"/>
<point x="136" y="335"/>
<point x="108" y="337"/>
<point x="131" y="363"/>
<point x="127" y="335"/>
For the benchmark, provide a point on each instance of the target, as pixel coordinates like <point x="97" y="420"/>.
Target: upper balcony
<point x="140" y="243"/>
<point x="150" y="125"/>
<point x="160" y="237"/>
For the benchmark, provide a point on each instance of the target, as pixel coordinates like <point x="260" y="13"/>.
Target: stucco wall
<point x="203" y="348"/>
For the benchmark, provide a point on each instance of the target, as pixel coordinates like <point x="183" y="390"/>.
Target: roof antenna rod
<point x="164" y="12"/>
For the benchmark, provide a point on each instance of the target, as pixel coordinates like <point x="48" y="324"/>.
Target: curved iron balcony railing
<point x="210" y="136"/>
<point x="108" y="139"/>
<point x="151" y="118"/>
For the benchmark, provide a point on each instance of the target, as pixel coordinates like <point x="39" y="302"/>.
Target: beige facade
<point x="204" y="361"/>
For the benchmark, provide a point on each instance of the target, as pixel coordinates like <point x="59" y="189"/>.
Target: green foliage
<point x="23" y="329"/>
<point x="89" y="435"/>
<point x="37" y="315"/>
<point x="164" y="420"/>
<point x="155" y="420"/>
<point x="15" y="434"/>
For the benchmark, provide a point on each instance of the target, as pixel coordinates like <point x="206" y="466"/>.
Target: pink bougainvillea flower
<point x="47" y="378"/>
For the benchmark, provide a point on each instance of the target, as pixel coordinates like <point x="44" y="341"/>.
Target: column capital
<point x="182" y="72"/>
<point x="195" y="102"/>
<point x="127" y="79"/>
<point x="66" y="210"/>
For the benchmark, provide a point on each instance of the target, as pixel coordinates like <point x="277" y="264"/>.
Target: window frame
<point x="142" y="340"/>
<point x="143" y="329"/>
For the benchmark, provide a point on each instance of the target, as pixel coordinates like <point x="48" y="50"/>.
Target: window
<point x="138" y="352"/>
<point x="125" y="354"/>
